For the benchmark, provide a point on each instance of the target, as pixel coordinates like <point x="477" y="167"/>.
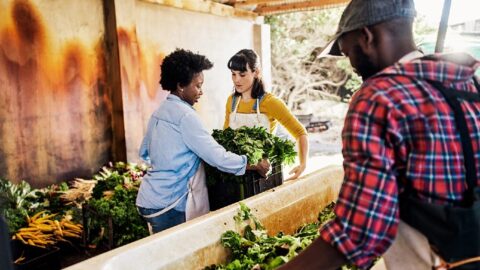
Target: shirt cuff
<point x="334" y="234"/>
<point x="244" y="168"/>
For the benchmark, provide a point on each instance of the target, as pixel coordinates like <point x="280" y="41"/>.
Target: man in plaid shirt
<point x="399" y="132"/>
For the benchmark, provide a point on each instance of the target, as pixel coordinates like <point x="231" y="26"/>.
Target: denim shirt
<point x="174" y="145"/>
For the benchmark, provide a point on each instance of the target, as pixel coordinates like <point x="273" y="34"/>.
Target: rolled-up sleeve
<point x="199" y="140"/>
<point x="367" y="208"/>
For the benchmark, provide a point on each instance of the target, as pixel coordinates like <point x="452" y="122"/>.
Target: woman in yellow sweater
<point x="250" y="105"/>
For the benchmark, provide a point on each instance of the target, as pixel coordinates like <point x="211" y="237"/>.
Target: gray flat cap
<point x="360" y="13"/>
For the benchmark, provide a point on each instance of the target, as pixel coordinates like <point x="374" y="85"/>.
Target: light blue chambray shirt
<point x="174" y="145"/>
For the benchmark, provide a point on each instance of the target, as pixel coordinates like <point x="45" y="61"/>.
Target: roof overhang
<point x="272" y="7"/>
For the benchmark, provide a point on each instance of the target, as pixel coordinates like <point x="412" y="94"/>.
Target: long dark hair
<point x="239" y="62"/>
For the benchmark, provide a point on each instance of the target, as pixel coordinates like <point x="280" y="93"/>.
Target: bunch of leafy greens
<point x="114" y="197"/>
<point x="254" y="142"/>
<point x="49" y="199"/>
<point x="254" y="249"/>
<point x="17" y="201"/>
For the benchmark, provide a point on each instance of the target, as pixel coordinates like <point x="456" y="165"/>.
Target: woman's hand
<point x="262" y="167"/>
<point x="297" y="171"/>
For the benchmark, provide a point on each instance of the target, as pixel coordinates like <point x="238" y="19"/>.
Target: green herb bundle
<point x="256" y="143"/>
<point x="114" y="196"/>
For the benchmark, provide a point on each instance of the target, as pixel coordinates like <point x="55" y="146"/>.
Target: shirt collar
<point x="410" y="56"/>
<point x="173" y="97"/>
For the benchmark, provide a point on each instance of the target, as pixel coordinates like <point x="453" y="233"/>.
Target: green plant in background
<point x="299" y="73"/>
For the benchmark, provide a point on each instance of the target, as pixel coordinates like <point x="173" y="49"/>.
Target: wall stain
<point x="151" y="71"/>
<point x="129" y="62"/>
<point x="27" y="22"/>
<point x="55" y="114"/>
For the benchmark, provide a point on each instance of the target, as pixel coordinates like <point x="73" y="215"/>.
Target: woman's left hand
<point x="297" y="171"/>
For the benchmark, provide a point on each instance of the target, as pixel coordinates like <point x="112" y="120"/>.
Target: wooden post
<point x="119" y="149"/>
<point x="442" y="29"/>
<point x="261" y="44"/>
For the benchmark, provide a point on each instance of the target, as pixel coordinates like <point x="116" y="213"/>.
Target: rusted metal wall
<point x="79" y="79"/>
<point x="55" y="110"/>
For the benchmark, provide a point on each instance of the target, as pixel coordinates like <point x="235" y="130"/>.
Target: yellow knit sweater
<point x="276" y="111"/>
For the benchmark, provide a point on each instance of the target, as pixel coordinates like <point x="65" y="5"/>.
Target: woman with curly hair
<point x="175" y="144"/>
<point x="250" y="105"/>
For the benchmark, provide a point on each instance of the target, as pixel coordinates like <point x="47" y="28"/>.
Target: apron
<point x="238" y="120"/>
<point x="197" y="198"/>
<point x="410" y="251"/>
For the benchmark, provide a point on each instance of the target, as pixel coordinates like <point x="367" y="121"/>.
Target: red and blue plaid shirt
<point x="400" y="129"/>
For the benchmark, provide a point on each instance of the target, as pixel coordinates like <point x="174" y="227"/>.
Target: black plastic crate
<point x="35" y="257"/>
<point x="89" y="213"/>
<point x="228" y="190"/>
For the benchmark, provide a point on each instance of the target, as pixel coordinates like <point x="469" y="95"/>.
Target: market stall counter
<point x="195" y="244"/>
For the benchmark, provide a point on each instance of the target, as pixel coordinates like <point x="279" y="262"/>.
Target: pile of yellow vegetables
<point x="44" y="231"/>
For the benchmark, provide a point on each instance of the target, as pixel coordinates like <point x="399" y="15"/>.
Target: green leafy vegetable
<point x="256" y="143"/>
<point x="254" y="249"/>
<point x="114" y="196"/>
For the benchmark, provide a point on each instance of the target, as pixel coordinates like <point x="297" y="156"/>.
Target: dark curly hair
<point x="240" y="61"/>
<point x="179" y="67"/>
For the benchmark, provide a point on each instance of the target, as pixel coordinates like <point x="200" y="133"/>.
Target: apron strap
<point x="256" y="105"/>
<point x="234" y="103"/>
<point x="170" y="207"/>
<point x="452" y="96"/>
<point x="237" y="103"/>
<point x="445" y="265"/>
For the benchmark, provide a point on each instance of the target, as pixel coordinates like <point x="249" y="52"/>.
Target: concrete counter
<point x="196" y="244"/>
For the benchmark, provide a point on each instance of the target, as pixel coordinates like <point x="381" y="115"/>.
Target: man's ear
<point x="366" y="39"/>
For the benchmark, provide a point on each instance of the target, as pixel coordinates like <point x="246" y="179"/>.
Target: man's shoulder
<point x="386" y="88"/>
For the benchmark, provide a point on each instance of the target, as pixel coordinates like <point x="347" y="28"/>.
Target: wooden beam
<point x="207" y="6"/>
<point x="266" y="9"/>
<point x="239" y="3"/>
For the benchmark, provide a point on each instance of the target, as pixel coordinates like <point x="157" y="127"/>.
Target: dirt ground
<point x="325" y="146"/>
<point x="328" y="142"/>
